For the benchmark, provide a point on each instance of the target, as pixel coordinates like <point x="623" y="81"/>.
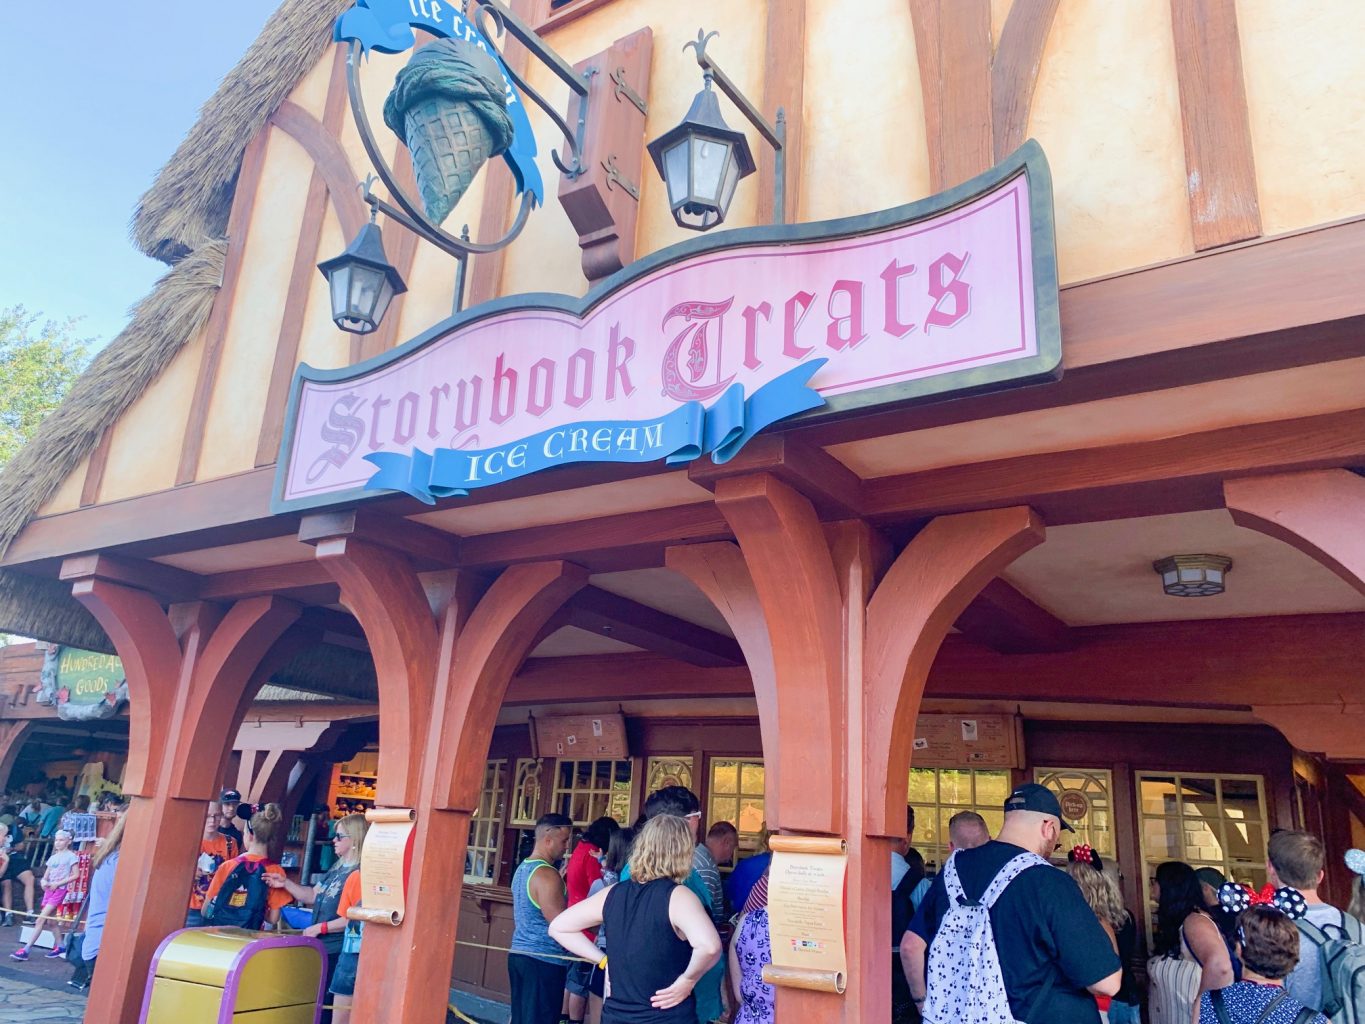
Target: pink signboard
<point x="954" y="293"/>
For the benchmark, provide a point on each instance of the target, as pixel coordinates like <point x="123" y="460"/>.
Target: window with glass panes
<point x="937" y="794"/>
<point x="736" y="795"/>
<point x="588" y="790"/>
<point x="525" y="804"/>
<point x="1096" y="827"/>
<point x="1204" y="820"/>
<point x="485" y="828"/>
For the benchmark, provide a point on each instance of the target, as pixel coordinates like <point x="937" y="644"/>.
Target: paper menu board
<point x="965" y="741"/>
<point x="580" y="737"/>
<point x="385" y="861"/>
<point x="806" y="913"/>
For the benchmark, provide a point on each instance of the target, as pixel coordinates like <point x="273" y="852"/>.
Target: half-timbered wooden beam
<point x="1220" y="172"/>
<point x="630" y="622"/>
<point x="834" y="489"/>
<point x="426" y="546"/>
<point x="1003" y="619"/>
<point x="215" y="331"/>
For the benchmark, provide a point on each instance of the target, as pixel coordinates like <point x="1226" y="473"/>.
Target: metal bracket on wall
<point x="614" y="175"/>
<point x="622" y="88"/>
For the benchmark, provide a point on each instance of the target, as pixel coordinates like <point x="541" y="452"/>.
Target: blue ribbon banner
<point x="688" y="432"/>
<point x="386" y="26"/>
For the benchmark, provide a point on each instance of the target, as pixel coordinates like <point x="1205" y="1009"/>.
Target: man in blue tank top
<point x="537" y="964"/>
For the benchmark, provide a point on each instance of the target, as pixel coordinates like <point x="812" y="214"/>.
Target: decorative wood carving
<point x="604" y="202"/>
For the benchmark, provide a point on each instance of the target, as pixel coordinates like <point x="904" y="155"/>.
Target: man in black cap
<point x="230" y="804"/>
<point x="1054" y="956"/>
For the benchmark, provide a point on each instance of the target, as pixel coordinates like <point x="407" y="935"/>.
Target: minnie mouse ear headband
<point x="1083" y="853"/>
<point x="1355" y="860"/>
<point x="1235" y="898"/>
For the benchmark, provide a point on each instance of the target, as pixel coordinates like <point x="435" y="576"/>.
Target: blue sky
<point x="98" y="99"/>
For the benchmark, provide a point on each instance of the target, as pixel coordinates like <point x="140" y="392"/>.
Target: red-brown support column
<point x="12" y="738"/>
<point x="1322" y="513"/>
<point x="442" y="675"/>
<point x="719" y="572"/>
<point x="185" y="669"/>
<point x="793" y="577"/>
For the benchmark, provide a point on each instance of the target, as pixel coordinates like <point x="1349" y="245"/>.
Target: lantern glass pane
<point x="385" y="297"/>
<point x="675" y="171"/>
<point x="1168" y="577"/>
<point x="727" y="188"/>
<point x="367" y="283"/>
<point x="1191" y="575"/>
<point x="340" y="281"/>
<point x="709" y="159"/>
<point x="1214" y="576"/>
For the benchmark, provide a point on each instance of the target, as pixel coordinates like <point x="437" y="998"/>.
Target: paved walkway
<point x="35" y="991"/>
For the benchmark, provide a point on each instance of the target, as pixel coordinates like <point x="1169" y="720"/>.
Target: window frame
<point x="593" y="792"/>
<point x="936" y="855"/>
<point x="1226" y="864"/>
<point x="488" y="826"/>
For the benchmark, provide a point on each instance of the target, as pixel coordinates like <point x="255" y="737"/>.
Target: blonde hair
<point x="1101" y="893"/>
<point x="663" y="849"/>
<point x="265" y="823"/>
<point x="353" y="825"/>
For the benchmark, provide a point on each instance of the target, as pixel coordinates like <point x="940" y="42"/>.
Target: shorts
<point x="343" y="980"/>
<point x="18" y="864"/>
<point x="537" y="989"/>
<point x="54" y="897"/>
<point x="597" y="984"/>
<point x="580" y="973"/>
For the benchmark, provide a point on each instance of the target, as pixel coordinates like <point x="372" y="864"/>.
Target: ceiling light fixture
<point x="1193" y="575"/>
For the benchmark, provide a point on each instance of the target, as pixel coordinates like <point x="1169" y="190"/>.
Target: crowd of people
<point x="637" y="925"/>
<point x="1001" y="935"/>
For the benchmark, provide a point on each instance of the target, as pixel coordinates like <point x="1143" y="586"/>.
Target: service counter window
<point x="524" y="806"/>
<point x="485" y="827"/>
<point x="736" y="795"/>
<point x="587" y="790"/>
<point x="937" y="794"/>
<point x="1204" y="820"/>
<point x="1087" y="804"/>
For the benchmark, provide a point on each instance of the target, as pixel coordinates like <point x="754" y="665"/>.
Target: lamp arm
<point x="409" y="215"/>
<point x="527" y="36"/>
<point x="750" y="112"/>
<point x="573" y="136"/>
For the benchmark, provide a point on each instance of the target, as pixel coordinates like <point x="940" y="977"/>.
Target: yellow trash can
<point x="233" y="976"/>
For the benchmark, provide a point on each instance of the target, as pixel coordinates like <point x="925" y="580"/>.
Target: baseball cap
<point x="1033" y="797"/>
<point x="229" y="796"/>
<point x="1210" y="876"/>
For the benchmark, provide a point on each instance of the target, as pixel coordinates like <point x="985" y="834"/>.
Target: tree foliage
<point x="39" y="360"/>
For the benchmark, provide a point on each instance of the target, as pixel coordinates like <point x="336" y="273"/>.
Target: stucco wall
<point x="1106" y="110"/>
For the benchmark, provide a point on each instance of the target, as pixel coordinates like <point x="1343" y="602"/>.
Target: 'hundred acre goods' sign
<point x="693" y="350"/>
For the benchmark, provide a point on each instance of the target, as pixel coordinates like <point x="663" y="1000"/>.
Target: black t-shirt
<point x="1043" y="929"/>
<point x="231" y="830"/>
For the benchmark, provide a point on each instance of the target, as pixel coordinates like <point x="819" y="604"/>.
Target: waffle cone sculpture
<point x="449" y="108"/>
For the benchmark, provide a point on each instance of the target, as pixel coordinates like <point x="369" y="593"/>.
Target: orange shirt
<point x="220" y="848"/>
<point x="277" y="899"/>
<point x="350" y="893"/>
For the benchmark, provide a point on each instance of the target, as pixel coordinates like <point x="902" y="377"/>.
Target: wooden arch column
<point x="1322" y="513"/>
<point x="13" y="736"/>
<point x="190" y="671"/>
<point x="443" y="664"/>
<point x="719" y="571"/>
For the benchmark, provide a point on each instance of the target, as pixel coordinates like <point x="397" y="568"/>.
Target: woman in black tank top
<point x="660" y="938"/>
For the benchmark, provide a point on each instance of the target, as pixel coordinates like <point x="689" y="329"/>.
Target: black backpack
<point x="241" y="902"/>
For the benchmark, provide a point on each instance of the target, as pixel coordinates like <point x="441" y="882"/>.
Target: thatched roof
<point x="174" y="312"/>
<point x="188" y="204"/>
<point x="181" y="220"/>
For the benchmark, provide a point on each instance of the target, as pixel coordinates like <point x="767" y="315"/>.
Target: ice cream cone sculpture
<point x="449" y="108"/>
